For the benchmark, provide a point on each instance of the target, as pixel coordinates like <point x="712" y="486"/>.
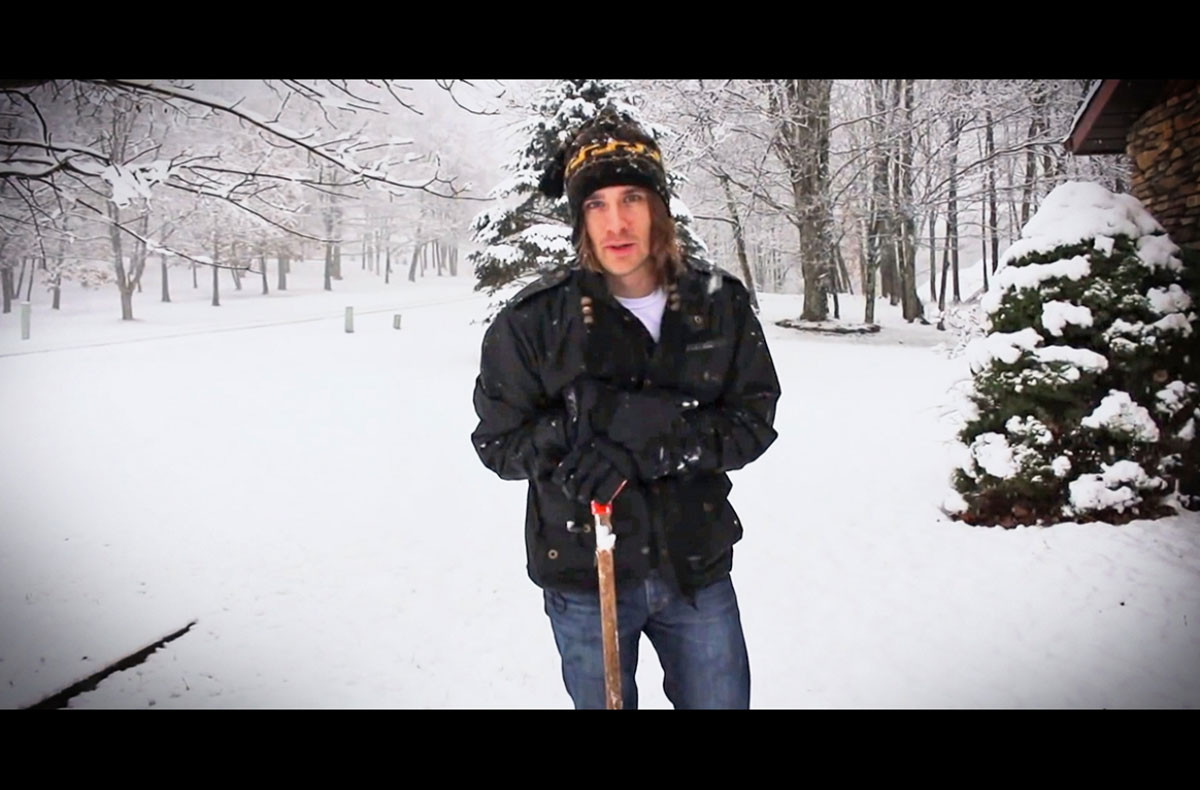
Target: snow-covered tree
<point x="531" y="232"/>
<point x="1084" y="399"/>
<point x="115" y="148"/>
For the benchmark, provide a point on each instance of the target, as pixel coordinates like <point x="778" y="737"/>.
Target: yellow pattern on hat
<point x="600" y="149"/>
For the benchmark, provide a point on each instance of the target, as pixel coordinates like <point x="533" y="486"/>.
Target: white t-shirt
<point x="649" y="310"/>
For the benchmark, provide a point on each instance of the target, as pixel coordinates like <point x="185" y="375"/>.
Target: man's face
<point x="618" y="223"/>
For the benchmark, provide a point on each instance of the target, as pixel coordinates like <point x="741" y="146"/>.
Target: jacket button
<point x="552" y="554"/>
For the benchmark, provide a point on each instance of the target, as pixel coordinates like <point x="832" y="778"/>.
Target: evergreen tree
<point x="1084" y="399"/>
<point x="533" y="232"/>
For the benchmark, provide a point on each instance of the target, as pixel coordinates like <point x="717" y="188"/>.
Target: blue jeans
<point x="701" y="649"/>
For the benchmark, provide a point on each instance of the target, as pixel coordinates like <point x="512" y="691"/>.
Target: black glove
<point x="639" y="418"/>
<point x="590" y="403"/>
<point x="594" y="470"/>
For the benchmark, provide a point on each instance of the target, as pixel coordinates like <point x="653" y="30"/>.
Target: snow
<point x="549" y="237"/>
<point x="1004" y="346"/>
<point x="1169" y="300"/>
<point x="1175" y="322"/>
<point x="131" y="182"/>
<point x="1159" y="252"/>
<point x="1080" y="357"/>
<point x="1077" y="211"/>
<point x="1008" y="347"/>
<point x="1093" y="89"/>
<point x="1029" y="426"/>
<point x="1120" y="414"/>
<point x="1061" y="466"/>
<point x="605" y="539"/>
<point x="994" y="455"/>
<point x="1173" y="397"/>
<point x="1057" y="315"/>
<point x="1115" y="488"/>
<point x="1031" y="276"/>
<point x="311" y="500"/>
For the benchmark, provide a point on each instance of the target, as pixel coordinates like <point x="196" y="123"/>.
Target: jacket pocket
<point x="701" y="525"/>
<point x="564" y="541"/>
<point x="705" y="366"/>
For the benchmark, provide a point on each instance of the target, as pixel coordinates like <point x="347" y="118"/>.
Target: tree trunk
<point x="329" y="265"/>
<point x="216" y="281"/>
<point x="166" y="290"/>
<point x="29" y="287"/>
<point x="140" y="251"/>
<point x="878" y="203"/>
<point x="869" y="295"/>
<point x="234" y="261"/>
<point x="124" y="286"/>
<point x="1030" y="174"/>
<point x="911" y="307"/>
<point x="262" y="259"/>
<point x="952" y="209"/>
<point x="281" y="260"/>
<point x="335" y="216"/>
<point x="993" y="226"/>
<point x="885" y="192"/>
<point x="1042" y="115"/>
<point x="845" y="282"/>
<point x="739" y="240"/>
<point x="195" y="275"/>
<point x="412" y="267"/>
<point x="454" y="260"/>
<point x="387" y="263"/>
<point x="58" y="266"/>
<point x="21" y="277"/>
<point x="983" y="263"/>
<point x="945" y="271"/>
<point x="802" y="139"/>
<point x="932" y="254"/>
<point x="6" y="284"/>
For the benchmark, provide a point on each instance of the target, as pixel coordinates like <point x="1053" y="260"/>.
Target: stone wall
<point x="1164" y="145"/>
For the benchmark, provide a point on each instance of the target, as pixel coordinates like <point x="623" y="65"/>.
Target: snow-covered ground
<point x="311" y="499"/>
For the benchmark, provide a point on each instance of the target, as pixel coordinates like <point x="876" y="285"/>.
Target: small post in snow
<point x="26" y="311"/>
<point x="396" y="321"/>
<point x="349" y="319"/>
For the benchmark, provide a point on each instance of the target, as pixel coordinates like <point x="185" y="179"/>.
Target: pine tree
<point x="1084" y="399"/>
<point x="533" y="233"/>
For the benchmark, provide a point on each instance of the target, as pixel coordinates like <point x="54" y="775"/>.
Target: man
<point x="639" y="375"/>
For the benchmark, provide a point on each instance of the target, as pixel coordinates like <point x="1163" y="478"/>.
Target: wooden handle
<point x="608" y="624"/>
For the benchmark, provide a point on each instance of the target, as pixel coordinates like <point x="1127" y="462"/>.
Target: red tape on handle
<point x="605" y="508"/>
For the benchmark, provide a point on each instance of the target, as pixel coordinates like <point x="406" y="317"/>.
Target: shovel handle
<point x="608" y="600"/>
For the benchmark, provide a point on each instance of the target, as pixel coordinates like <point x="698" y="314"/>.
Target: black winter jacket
<point x="677" y="517"/>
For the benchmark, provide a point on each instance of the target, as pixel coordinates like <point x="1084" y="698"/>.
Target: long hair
<point x="666" y="259"/>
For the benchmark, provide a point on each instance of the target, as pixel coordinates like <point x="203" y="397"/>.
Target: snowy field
<point x="311" y="500"/>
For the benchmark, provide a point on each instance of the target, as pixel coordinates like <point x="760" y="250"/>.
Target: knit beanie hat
<point x="609" y="150"/>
